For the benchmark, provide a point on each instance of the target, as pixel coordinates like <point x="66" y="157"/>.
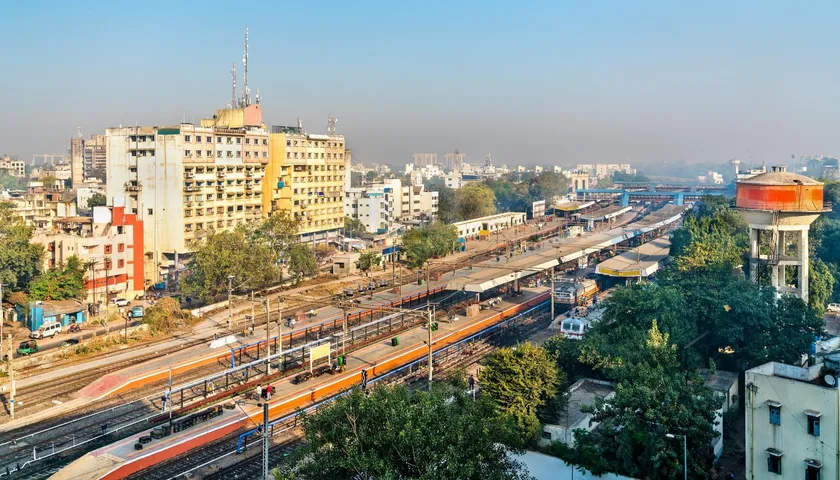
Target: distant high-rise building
<point x="186" y="182"/>
<point x="454" y="161"/>
<point x="422" y="159"/>
<point x="87" y="158"/>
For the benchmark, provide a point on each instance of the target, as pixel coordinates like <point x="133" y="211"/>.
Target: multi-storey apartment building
<point x="421" y="159"/>
<point x="305" y="178"/>
<point x="373" y="206"/>
<point x="454" y="161"/>
<point x="12" y="166"/>
<point x="42" y="205"/>
<point x="792" y="423"/>
<point x="186" y="181"/>
<point x="88" y="158"/>
<point x="110" y="243"/>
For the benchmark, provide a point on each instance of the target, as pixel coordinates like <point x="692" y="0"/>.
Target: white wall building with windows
<point x="791" y="422"/>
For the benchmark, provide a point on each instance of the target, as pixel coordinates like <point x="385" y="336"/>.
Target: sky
<point x="531" y="82"/>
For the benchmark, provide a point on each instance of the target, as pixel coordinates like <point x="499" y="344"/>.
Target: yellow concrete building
<point x="305" y="178"/>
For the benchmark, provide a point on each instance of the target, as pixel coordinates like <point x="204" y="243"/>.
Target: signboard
<point x="318" y="352"/>
<point x="621" y="273"/>
<point x="538" y="209"/>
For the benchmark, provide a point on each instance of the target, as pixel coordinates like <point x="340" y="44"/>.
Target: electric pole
<point x="429" y="311"/>
<point x="230" y="305"/>
<point x="13" y="391"/>
<point x="267" y="336"/>
<point x="265" y="440"/>
<point x="552" y="294"/>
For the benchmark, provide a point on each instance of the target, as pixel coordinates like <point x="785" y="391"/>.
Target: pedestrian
<point x="163" y="402"/>
<point x="259" y="391"/>
<point x="104" y="428"/>
<point x="472" y="385"/>
<point x="269" y="390"/>
<point x="364" y="379"/>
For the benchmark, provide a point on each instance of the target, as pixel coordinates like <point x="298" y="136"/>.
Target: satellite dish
<point x="830" y="380"/>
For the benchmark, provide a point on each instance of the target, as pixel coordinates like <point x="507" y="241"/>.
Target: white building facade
<point x="791" y="423"/>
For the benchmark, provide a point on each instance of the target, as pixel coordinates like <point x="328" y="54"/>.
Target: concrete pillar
<point x="754" y="255"/>
<point x="803" y="264"/>
<point x="782" y="247"/>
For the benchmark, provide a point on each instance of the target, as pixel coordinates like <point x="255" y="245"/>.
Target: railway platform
<point x="121" y="458"/>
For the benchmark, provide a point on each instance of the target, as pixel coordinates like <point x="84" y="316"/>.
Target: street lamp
<point x="685" y="453"/>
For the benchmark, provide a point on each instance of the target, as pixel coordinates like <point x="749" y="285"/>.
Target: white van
<point x="834" y="308"/>
<point x="49" y="329"/>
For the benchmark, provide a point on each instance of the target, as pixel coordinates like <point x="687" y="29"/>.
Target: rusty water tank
<point x="779" y="190"/>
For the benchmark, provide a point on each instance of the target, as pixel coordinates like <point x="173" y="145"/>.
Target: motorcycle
<point x="74" y="328"/>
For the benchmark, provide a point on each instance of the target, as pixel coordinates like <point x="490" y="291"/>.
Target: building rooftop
<point x="721" y="381"/>
<point x="58" y="307"/>
<point x="583" y="392"/>
<point x="779" y="178"/>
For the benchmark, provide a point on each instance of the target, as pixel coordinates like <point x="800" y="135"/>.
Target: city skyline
<point x="541" y="84"/>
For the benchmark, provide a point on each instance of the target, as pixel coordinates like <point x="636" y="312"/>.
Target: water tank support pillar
<point x="803" y="264"/>
<point x="753" y="255"/>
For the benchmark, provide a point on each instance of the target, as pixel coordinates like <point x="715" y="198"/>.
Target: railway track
<point x="247" y="466"/>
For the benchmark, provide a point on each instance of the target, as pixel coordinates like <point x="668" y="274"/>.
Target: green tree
<point x="475" y="200"/>
<point x="521" y="381"/>
<point x="713" y="236"/>
<point x="60" y="283"/>
<point x="620" y="176"/>
<point x="396" y="434"/>
<point x="10" y="182"/>
<point x="278" y="233"/>
<point x="371" y="176"/>
<point x="820" y="285"/>
<point x="96" y="200"/>
<point x="20" y="260"/>
<point x="429" y="241"/>
<point x="546" y="186"/>
<point x="301" y="261"/>
<point x="653" y="396"/>
<point x="354" y="228"/>
<point x="447" y="206"/>
<point x="252" y="265"/>
<point x="368" y="260"/>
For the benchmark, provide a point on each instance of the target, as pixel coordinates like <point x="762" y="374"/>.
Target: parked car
<point x="120" y="302"/>
<point x="49" y="329"/>
<point x="28" y="347"/>
<point x="834" y="307"/>
<point x="136" y="312"/>
<point x="70" y="342"/>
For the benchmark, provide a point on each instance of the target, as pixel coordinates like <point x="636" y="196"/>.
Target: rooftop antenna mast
<point x="488" y="161"/>
<point x="246" y="93"/>
<point x="233" y="81"/>
<point x="331" y="121"/>
<point x="79" y="132"/>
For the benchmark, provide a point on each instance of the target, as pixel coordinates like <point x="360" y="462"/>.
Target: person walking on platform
<point x="259" y="391"/>
<point x="268" y="391"/>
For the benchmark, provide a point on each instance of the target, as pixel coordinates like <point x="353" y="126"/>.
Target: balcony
<point x="188" y="204"/>
<point x="189" y="175"/>
<point x="249" y="187"/>
<point x="133" y="186"/>
<point x="249" y="173"/>
<point x="220" y="188"/>
<point x="190" y="188"/>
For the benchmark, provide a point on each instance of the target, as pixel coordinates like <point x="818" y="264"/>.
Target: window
<point x="150" y="211"/>
<point x="775" y="414"/>
<point x="238" y="141"/>
<point x="107" y="249"/>
<point x="186" y="138"/>
<point x="209" y="139"/>
<point x="218" y="139"/>
<point x="120" y="263"/>
<point x="121" y="247"/>
<point x="219" y="153"/>
<point x="187" y="153"/>
<point x="247" y="141"/>
<point x="198" y="138"/>
<point x="812" y="473"/>
<point x="209" y="153"/>
<point x="813" y="422"/>
<point x="774" y="461"/>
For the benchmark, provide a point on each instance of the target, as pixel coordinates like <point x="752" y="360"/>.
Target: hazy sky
<point x="531" y="82"/>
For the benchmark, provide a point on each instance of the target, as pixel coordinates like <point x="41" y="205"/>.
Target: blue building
<point x="62" y="311"/>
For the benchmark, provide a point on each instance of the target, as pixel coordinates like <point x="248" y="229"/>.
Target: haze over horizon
<point x="531" y="82"/>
